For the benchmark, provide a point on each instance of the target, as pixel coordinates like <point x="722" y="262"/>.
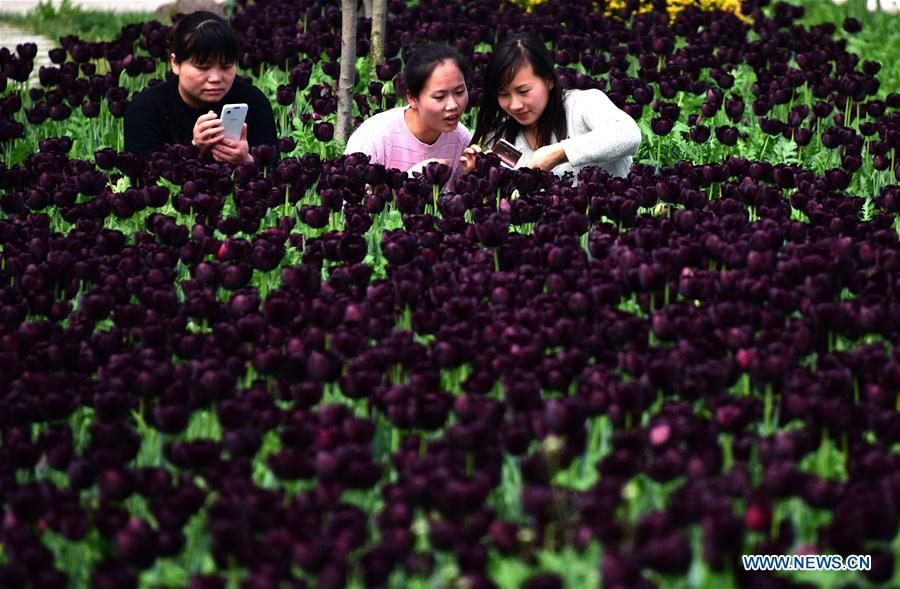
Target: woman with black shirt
<point x="186" y="108"/>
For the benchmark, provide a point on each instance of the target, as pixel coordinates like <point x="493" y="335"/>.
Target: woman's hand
<point x="208" y="131"/>
<point x="234" y="152"/>
<point x="547" y="157"/>
<point x="420" y="167"/>
<point x="467" y="159"/>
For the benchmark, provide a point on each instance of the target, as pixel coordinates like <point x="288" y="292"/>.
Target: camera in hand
<point x="507" y="153"/>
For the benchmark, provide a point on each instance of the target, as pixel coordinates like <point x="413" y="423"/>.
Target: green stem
<point x="767" y="411"/>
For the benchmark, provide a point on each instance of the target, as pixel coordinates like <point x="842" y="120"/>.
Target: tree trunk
<point x="367" y="8"/>
<point x="348" y="70"/>
<point x="379" y="24"/>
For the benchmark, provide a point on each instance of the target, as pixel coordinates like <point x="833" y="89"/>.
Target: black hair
<point x="205" y="38"/>
<point x="422" y="62"/>
<point x="510" y="56"/>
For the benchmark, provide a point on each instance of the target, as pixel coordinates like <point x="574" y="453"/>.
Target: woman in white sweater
<point x="555" y="129"/>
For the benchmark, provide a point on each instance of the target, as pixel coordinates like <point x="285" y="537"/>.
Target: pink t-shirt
<point x="387" y="140"/>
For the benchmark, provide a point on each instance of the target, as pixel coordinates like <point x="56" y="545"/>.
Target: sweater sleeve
<point x="143" y="128"/>
<point x="370" y="141"/>
<point x="598" y="130"/>
<point x="260" y="121"/>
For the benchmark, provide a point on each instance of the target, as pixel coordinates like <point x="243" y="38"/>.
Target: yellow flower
<point x="673" y="7"/>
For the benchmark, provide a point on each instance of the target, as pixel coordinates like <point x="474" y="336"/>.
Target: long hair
<point x="511" y="55"/>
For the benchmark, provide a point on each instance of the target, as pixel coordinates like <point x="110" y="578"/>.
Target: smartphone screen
<point x="507" y="153"/>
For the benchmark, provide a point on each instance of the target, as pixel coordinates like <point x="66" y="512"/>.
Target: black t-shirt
<point x="158" y="116"/>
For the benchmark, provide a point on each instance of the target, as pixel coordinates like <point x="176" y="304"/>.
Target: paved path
<point x="22" y="6"/>
<point x="11" y="36"/>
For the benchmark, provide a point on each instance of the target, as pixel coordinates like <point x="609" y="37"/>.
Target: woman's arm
<point x="260" y="121"/>
<point x="598" y="130"/>
<point x="143" y="130"/>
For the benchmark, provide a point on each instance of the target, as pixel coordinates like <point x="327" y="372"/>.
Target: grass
<point x="64" y="18"/>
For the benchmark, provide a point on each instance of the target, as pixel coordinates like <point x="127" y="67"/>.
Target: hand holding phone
<point x="207" y="130"/>
<point x="233" y="117"/>
<point x="507" y="153"/>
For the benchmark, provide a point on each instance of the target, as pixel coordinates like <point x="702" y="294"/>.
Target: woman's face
<point x="526" y="96"/>
<point x="442" y="100"/>
<point x="203" y="84"/>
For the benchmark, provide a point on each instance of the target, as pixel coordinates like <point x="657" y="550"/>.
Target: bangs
<point x="211" y="42"/>
<point x="507" y="69"/>
<point x="508" y="74"/>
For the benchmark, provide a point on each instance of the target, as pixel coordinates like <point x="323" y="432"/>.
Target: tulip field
<point x="313" y="372"/>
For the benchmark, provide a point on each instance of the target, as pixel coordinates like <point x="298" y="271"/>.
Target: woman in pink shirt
<point x="428" y="129"/>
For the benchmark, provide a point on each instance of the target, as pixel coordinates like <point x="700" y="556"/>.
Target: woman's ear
<point x="413" y="103"/>
<point x="175" y="66"/>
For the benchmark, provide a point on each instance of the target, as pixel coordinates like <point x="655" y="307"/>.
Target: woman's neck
<point x="419" y="131"/>
<point x="531" y="136"/>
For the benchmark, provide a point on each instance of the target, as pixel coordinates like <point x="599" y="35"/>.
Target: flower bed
<point x="315" y="372"/>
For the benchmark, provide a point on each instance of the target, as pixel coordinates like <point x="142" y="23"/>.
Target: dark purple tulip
<point x="137" y="542"/>
<point x="838" y="178"/>
<point x="300" y="77"/>
<point x="48" y="76"/>
<point x="544" y="581"/>
<point x="493" y="231"/>
<point x="90" y="109"/>
<point x="323" y="131"/>
<point x="822" y="109"/>
<point x="117" y="108"/>
<point x="284" y="94"/>
<point x="315" y="217"/>
<point x="57" y="55"/>
<point x="27" y="50"/>
<point x="734" y="108"/>
<point x="352" y="248"/>
<point x="727" y="135"/>
<point x="761" y="107"/>
<point x="28" y="502"/>
<point x="700" y="133"/>
<point x="437" y="174"/>
<point x="286" y="144"/>
<point x="851" y="25"/>
<point x="875" y="108"/>
<point x="264" y="155"/>
<point x="634" y="110"/>
<point x="802" y="137"/>
<point x="116" y="485"/>
<point x="170" y="418"/>
<point x="661" y="126"/>
<point x="60" y="112"/>
<point x="642" y="95"/>
<point x="771" y="126"/>
<point x="709" y="109"/>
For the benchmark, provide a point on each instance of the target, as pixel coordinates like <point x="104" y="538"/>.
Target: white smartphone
<point x="233" y="117"/>
<point x="507" y="153"/>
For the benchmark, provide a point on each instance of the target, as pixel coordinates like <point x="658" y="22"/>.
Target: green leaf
<point x="785" y="152"/>
<point x="393" y="221"/>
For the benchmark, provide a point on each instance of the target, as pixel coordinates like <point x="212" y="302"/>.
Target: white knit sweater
<point x="599" y="134"/>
